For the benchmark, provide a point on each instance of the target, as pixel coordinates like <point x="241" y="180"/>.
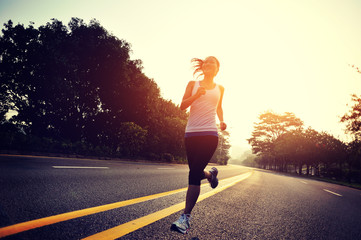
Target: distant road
<point x="77" y="199"/>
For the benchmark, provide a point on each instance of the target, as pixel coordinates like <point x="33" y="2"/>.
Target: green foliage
<point x="76" y="90"/>
<point x="269" y="128"/>
<point x="130" y="139"/>
<point x="282" y="144"/>
<point x="353" y="118"/>
<point x="221" y="155"/>
<point x="249" y="160"/>
<point x="167" y="157"/>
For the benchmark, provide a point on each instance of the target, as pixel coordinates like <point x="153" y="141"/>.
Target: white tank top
<point x="202" y="117"/>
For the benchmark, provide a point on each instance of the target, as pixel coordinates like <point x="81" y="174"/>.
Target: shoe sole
<point x="215" y="184"/>
<point x="215" y="176"/>
<point x="175" y="228"/>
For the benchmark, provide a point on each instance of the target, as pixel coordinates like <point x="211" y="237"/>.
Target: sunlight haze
<point x="284" y="56"/>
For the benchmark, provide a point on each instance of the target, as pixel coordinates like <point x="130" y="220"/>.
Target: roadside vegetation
<point x="280" y="142"/>
<point x="74" y="90"/>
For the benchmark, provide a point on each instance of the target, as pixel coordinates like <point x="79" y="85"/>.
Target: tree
<point x="76" y="84"/>
<point x="221" y="155"/>
<point x="248" y="159"/>
<point x="270" y="127"/>
<point x="289" y="148"/>
<point x="354" y="161"/>
<point x="353" y="118"/>
<point x="299" y="147"/>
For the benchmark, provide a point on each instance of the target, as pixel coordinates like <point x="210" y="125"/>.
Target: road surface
<point x="104" y="199"/>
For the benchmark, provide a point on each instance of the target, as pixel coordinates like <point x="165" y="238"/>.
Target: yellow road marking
<point x="21" y="227"/>
<point x="25" y="226"/>
<point x="123" y="229"/>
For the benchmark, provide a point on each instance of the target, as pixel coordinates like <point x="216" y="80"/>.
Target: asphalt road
<point x="265" y="205"/>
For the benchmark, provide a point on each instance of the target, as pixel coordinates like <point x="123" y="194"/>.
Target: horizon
<point x="281" y="56"/>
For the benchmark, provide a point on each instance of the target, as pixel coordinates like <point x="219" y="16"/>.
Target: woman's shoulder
<point x="191" y="83"/>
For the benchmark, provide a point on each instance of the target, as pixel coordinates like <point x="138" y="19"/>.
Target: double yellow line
<point x="125" y="228"/>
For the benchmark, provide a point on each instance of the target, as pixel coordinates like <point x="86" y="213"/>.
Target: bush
<point x="167" y="157"/>
<point x="332" y="173"/>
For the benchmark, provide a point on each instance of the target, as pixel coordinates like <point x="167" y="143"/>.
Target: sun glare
<point x="284" y="56"/>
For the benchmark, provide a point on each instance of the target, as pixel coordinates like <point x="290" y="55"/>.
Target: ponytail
<point x="197" y="66"/>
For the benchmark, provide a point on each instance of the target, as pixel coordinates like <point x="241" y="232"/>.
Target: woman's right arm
<point x="188" y="99"/>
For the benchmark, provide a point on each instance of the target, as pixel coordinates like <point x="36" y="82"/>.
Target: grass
<point x="324" y="179"/>
<point x="343" y="183"/>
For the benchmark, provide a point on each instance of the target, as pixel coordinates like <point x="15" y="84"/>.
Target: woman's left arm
<point x="220" y="110"/>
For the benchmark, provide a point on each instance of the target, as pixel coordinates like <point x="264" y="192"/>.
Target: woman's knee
<point x="195" y="177"/>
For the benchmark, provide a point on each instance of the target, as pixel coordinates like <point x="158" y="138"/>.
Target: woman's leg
<point x="199" y="152"/>
<point x="193" y="194"/>
<point x="207" y="174"/>
<point x="191" y="199"/>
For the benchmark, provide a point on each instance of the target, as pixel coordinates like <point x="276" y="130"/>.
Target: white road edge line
<point x="79" y="167"/>
<point x="164" y="168"/>
<point x="332" y="192"/>
<point x="303" y="182"/>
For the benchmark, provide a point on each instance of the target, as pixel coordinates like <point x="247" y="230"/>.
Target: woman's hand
<point x="223" y="126"/>
<point x="188" y="98"/>
<point x="201" y="91"/>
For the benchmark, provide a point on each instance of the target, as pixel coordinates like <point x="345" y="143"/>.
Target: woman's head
<point x="208" y="66"/>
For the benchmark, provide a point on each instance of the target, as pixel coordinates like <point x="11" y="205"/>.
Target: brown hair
<point x="197" y="64"/>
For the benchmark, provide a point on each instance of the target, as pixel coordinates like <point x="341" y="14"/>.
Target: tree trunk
<point x="317" y="170"/>
<point x="300" y="169"/>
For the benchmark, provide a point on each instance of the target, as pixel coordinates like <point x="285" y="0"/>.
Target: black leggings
<point x="200" y="150"/>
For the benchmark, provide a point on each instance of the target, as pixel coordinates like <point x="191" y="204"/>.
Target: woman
<point x="201" y="138"/>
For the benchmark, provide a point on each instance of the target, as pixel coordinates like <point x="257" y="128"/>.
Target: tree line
<point x="75" y="90"/>
<point x="282" y="143"/>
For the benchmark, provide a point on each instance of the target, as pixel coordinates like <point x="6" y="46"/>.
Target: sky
<point x="281" y="56"/>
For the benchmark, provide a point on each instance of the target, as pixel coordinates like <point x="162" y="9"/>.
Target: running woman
<point x="201" y="137"/>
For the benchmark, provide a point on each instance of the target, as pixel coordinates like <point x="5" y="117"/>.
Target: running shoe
<point x="182" y="224"/>
<point x="214" y="180"/>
